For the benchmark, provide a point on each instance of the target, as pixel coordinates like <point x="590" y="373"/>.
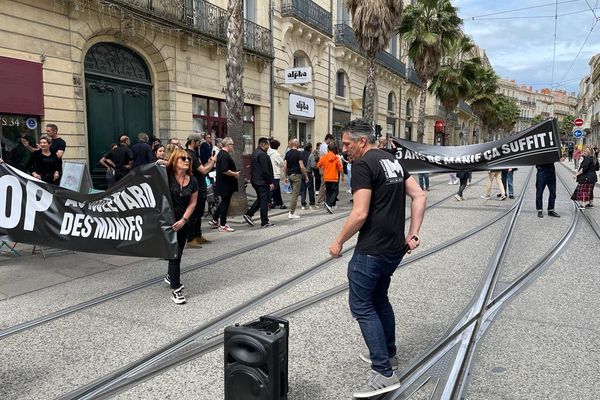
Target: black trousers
<point x="331" y="191"/>
<point x="220" y="214"/>
<point x="310" y="186"/>
<point x="263" y="193"/>
<point x="463" y="185"/>
<point x="196" y="218"/>
<point x="543" y="180"/>
<point x="175" y="263"/>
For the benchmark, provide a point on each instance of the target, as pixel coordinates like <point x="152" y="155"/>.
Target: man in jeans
<point x="262" y="182"/>
<point x="379" y="186"/>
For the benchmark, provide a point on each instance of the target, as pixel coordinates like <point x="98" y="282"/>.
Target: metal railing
<point x="465" y="107"/>
<point x="412" y="77"/>
<point x="309" y="12"/>
<point x="344" y="36"/>
<point x="206" y="18"/>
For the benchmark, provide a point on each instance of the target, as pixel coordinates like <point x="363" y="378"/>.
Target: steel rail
<point x="167" y="356"/>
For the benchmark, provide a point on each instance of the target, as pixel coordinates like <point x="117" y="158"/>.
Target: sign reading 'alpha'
<point x="298" y="75"/>
<point x="302" y="106"/>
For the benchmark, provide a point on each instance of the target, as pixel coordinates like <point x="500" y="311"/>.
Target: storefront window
<point x="12" y="129"/>
<point x="210" y="116"/>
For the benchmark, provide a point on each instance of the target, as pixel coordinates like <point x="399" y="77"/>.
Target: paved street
<point x="543" y="343"/>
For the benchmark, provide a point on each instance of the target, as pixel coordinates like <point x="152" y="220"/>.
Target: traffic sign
<point x="578" y="121"/>
<point x="577" y="133"/>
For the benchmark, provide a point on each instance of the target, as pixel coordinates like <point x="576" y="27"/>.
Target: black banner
<point x="539" y="144"/>
<point x="133" y="218"/>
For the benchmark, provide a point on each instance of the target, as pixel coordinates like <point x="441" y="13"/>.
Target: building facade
<point x="588" y="102"/>
<point x="100" y="69"/>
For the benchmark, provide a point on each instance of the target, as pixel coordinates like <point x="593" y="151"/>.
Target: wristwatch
<point x="185" y="219"/>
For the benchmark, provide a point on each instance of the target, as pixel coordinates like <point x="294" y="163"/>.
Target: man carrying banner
<point x="379" y="185"/>
<point x="546" y="176"/>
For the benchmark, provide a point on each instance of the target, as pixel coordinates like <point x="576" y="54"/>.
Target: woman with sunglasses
<point x="43" y="164"/>
<point x="184" y="193"/>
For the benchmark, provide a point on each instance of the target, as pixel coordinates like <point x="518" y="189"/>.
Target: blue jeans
<point x="507" y="181"/>
<point x="369" y="277"/>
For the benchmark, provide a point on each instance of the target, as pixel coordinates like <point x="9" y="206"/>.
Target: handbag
<point x="582" y="179"/>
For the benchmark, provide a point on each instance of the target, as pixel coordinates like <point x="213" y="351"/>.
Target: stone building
<point x="588" y="102"/>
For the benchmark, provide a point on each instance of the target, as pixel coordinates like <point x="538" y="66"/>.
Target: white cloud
<point x="522" y="48"/>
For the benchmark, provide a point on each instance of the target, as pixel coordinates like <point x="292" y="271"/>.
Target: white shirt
<point x="323" y="148"/>
<point x="277" y="161"/>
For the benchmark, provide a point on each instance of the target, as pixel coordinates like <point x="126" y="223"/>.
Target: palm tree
<point x="483" y="94"/>
<point x="373" y="22"/>
<point x="427" y="28"/>
<point x="234" y="96"/>
<point x="453" y="81"/>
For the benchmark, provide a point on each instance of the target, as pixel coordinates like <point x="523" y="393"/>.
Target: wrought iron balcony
<point x="205" y="18"/>
<point x="412" y="77"/>
<point x="344" y="36"/>
<point x="308" y="12"/>
<point x="465" y="107"/>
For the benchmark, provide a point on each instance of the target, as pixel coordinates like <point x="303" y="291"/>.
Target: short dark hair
<point x="308" y="146"/>
<point x="275" y="144"/>
<point x="329" y="136"/>
<point x="360" y="127"/>
<point x="332" y="147"/>
<point x="262" y="140"/>
<point x="53" y="127"/>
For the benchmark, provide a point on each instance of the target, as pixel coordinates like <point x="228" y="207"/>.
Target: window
<point x="393" y="45"/>
<point x="340" y="84"/>
<point x="300" y="60"/>
<point x="250" y="10"/>
<point x="409" y="109"/>
<point x="390" y="104"/>
<point x="210" y="116"/>
<point x="342" y="13"/>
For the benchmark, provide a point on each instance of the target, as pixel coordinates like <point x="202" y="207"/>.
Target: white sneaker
<point x="303" y="208"/>
<point x="457" y="197"/>
<point x="293" y="216"/>
<point x="485" y="197"/>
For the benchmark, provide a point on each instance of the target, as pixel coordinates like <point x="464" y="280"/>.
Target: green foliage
<point x="537" y="119"/>
<point x="566" y="126"/>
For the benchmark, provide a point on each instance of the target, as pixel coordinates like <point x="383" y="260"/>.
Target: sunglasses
<point x="184" y="158"/>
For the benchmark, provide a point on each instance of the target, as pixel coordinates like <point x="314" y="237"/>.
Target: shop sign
<point x="246" y="95"/>
<point x="302" y="106"/>
<point x="298" y="75"/>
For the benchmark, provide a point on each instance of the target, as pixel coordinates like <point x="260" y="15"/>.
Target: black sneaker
<point x="328" y="208"/>
<point x="540" y="214"/>
<point x="267" y="225"/>
<point x="177" y="296"/>
<point x="553" y="214"/>
<point x="589" y="206"/>
<point x="248" y="219"/>
<point x="511" y="197"/>
<point x="168" y="282"/>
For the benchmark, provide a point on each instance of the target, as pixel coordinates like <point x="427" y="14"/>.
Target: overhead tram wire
<point x="579" y="52"/>
<point x="522" y="9"/>
<point x="530" y="16"/>
<point x="554" y="47"/>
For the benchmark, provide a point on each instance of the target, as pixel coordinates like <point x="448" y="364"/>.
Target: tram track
<point x="30" y="324"/>
<point x="454" y="353"/>
<point x="189" y="346"/>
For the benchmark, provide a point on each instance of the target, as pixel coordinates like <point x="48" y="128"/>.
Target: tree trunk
<point x="421" y="121"/>
<point x="234" y="98"/>
<point x="369" y="111"/>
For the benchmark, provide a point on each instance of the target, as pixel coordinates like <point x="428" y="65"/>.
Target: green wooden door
<point x="118" y="100"/>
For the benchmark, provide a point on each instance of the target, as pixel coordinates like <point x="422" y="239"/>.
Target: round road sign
<point x="578" y="121"/>
<point x="577" y="133"/>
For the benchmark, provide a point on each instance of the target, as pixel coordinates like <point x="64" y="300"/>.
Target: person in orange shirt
<point x="331" y="165"/>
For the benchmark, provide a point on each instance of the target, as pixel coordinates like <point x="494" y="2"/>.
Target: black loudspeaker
<point x="256" y="360"/>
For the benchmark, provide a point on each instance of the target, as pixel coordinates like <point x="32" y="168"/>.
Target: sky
<point x="521" y="44"/>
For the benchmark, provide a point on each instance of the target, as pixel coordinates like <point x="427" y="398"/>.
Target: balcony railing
<point x="308" y="12"/>
<point x="412" y="77"/>
<point x="206" y="18"/>
<point x="344" y="36"/>
<point x="465" y="107"/>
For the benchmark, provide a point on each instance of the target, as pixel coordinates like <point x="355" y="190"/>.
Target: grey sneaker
<point x="377" y="384"/>
<point x="248" y="219"/>
<point x="366" y="358"/>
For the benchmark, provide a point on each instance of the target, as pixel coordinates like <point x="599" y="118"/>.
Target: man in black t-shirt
<point x="58" y="145"/>
<point x="120" y="158"/>
<point x="295" y="171"/>
<point x="195" y="238"/>
<point x="379" y="187"/>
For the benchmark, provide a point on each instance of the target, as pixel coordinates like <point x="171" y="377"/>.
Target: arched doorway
<point x="118" y="101"/>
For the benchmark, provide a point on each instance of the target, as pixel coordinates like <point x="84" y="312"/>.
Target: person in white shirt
<point x="277" y="161"/>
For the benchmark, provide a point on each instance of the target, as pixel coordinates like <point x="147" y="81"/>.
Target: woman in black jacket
<point x="586" y="180"/>
<point x="43" y="164"/>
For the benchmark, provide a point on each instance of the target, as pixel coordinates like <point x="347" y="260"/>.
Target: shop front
<point x="21" y="106"/>
<point x="301" y="119"/>
<point x="339" y="120"/>
<point x="210" y="117"/>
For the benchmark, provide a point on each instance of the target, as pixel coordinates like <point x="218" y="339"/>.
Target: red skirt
<point x="584" y="192"/>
